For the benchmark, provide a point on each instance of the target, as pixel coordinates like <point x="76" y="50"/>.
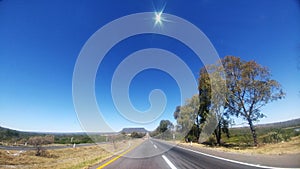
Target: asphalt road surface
<point x="154" y="154"/>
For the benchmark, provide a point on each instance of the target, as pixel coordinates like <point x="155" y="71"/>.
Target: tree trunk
<point x="218" y="134"/>
<point x="198" y="128"/>
<point x="252" y="128"/>
<point x="38" y="151"/>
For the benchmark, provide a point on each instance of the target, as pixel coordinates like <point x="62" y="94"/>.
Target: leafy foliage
<point x="232" y="87"/>
<point x="137" y="135"/>
<point x="275" y="137"/>
<point x="187" y="118"/>
<point x="271" y="133"/>
<point x="212" y="94"/>
<point x="77" y="139"/>
<point x="249" y="87"/>
<point x="163" y="131"/>
<point x="176" y="112"/>
<point x="165" y="125"/>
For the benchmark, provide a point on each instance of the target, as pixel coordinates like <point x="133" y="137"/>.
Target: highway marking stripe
<point x="155" y="146"/>
<point x="233" y="161"/>
<point x="112" y="160"/>
<point x="169" y="162"/>
<point x="117" y="157"/>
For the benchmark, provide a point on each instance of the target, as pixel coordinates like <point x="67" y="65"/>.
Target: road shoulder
<point x="284" y="161"/>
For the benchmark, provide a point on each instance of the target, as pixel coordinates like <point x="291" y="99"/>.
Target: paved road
<point x="161" y="155"/>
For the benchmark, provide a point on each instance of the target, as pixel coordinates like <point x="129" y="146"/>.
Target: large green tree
<point x="165" y="125"/>
<point x="212" y="93"/>
<point x="204" y="96"/>
<point x="164" y="128"/>
<point x="186" y="116"/>
<point x="249" y="88"/>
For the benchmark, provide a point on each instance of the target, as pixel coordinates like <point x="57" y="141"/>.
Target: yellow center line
<point x="117" y="157"/>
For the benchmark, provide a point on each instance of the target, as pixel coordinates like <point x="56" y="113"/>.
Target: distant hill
<point x="16" y="133"/>
<point x="14" y="136"/>
<point x="130" y="130"/>
<point x="284" y="124"/>
<point x="8" y="134"/>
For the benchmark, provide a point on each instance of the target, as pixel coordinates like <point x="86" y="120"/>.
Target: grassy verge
<point x="62" y="158"/>
<point x="75" y="158"/>
<point x="289" y="147"/>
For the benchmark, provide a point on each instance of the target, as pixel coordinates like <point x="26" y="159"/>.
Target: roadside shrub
<point x="212" y="140"/>
<point x="275" y="137"/>
<point x="38" y="141"/>
<point x="137" y="135"/>
<point x="296" y="132"/>
<point x="246" y="139"/>
<point x="190" y="138"/>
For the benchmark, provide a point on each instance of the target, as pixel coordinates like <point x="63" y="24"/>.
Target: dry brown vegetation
<point x="290" y="147"/>
<point x="80" y="157"/>
<point x="61" y="158"/>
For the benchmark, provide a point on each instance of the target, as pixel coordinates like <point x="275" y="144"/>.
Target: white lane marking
<point x="169" y="162"/>
<point x="233" y="161"/>
<point x="155" y="146"/>
<point x="151" y="142"/>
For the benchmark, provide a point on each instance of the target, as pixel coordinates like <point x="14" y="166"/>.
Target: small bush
<point x="212" y="140"/>
<point x="38" y="141"/>
<point x="190" y="138"/>
<point x="246" y="138"/>
<point x="137" y="135"/>
<point x="276" y="137"/>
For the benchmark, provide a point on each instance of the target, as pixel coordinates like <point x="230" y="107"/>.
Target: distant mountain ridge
<point x="6" y="132"/>
<point x="283" y="124"/>
<point x="130" y="130"/>
<point x="289" y="123"/>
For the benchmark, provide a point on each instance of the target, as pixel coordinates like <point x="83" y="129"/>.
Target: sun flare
<point x="158" y="18"/>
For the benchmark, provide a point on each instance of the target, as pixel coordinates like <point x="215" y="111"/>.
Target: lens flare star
<point x="158" y="18"/>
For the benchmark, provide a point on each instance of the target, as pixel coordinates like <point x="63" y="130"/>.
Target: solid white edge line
<point x="168" y="162"/>
<point x="233" y="161"/>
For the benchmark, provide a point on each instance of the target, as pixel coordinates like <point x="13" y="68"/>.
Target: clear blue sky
<point x="40" y="42"/>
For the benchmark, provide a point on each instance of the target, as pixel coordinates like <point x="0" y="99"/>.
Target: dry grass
<point x="80" y="157"/>
<point x="61" y="158"/>
<point x="290" y="147"/>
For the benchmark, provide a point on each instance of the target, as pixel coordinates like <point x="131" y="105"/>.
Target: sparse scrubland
<point x="79" y="157"/>
<point x="272" y="140"/>
<point x="60" y="158"/>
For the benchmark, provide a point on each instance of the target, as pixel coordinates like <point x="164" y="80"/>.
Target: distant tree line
<point x="14" y="136"/>
<point x="137" y="135"/>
